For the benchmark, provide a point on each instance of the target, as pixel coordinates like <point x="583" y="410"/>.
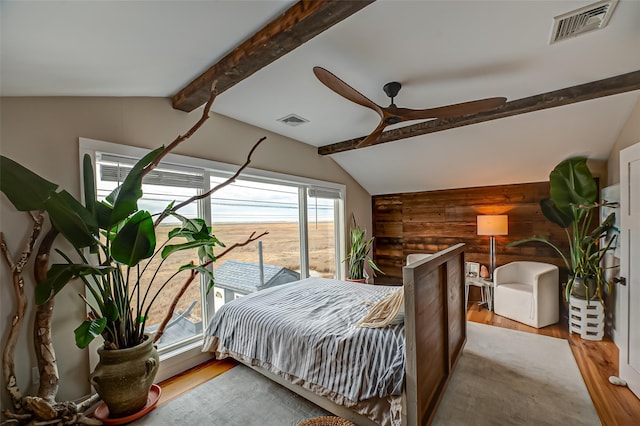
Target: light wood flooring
<point x="616" y="406"/>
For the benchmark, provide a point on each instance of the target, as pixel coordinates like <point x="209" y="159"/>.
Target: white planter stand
<point x="586" y="318"/>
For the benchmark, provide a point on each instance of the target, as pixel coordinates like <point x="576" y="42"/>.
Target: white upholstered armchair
<point x="414" y="257"/>
<point x="527" y="292"/>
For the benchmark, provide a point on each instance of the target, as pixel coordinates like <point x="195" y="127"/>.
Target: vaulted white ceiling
<point x="442" y="52"/>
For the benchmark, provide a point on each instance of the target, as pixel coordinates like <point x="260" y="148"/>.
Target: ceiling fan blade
<point x="455" y="110"/>
<point x="369" y="140"/>
<point x="344" y="90"/>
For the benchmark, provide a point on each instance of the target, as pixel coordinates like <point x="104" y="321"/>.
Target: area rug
<point x="238" y="397"/>
<point x="504" y="377"/>
<point x="508" y="377"/>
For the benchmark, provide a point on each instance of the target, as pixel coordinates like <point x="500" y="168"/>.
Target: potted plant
<point x="358" y="256"/>
<point x="571" y="205"/>
<point x="113" y="243"/>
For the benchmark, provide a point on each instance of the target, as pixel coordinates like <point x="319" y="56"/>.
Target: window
<point x="250" y="205"/>
<point x="303" y="218"/>
<point x="323" y="219"/>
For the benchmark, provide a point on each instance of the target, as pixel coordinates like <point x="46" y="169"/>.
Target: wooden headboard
<point x="435" y="327"/>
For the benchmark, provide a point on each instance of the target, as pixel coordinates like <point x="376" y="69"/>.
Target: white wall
<point x="629" y="135"/>
<point x="42" y="134"/>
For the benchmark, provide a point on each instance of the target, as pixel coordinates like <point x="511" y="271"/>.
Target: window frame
<point x="174" y="361"/>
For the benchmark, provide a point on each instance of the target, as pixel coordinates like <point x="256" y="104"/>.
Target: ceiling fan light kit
<point x="392" y="89"/>
<point x="392" y="114"/>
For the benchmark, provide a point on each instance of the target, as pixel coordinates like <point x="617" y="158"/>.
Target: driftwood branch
<point x="181" y="138"/>
<point x="87" y="403"/>
<point x="8" y="353"/>
<point x="190" y="279"/>
<point x="251" y="238"/>
<point x="230" y="180"/>
<point x="42" y="341"/>
<point x="41" y="413"/>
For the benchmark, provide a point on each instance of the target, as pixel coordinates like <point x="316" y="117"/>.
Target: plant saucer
<point x="102" y="412"/>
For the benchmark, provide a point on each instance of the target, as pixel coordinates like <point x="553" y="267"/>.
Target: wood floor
<point x="616" y="406"/>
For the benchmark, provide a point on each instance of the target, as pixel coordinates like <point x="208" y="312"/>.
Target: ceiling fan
<point x="392" y="114"/>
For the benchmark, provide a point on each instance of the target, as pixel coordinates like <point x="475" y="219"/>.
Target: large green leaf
<point x="545" y="241"/>
<point x="572" y="184"/>
<point x="551" y="212"/>
<point x="26" y="190"/>
<point x="197" y="234"/>
<point x="111" y="311"/>
<point x="193" y="229"/>
<point x="168" y="249"/>
<point x="89" y="330"/>
<point x="59" y="275"/>
<point x="90" y="200"/>
<point x="124" y="199"/>
<point x="72" y="219"/>
<point x="103" y="215"/>
<point x="135" y="241"/>
<point x="601" y="230"/>
<point x="89" y="184"/>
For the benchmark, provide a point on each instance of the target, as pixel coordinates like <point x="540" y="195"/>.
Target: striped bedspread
<point x="305" y="331"/>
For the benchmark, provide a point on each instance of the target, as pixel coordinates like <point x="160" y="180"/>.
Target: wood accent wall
<point x="426" y="222"/>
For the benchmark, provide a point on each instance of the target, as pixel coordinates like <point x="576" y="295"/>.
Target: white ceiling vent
<point x="588" y="18"/>
<point x="292" y="120"/>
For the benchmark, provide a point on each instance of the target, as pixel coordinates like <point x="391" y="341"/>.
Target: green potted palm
<point x="113" y="244"/>
<point x="358" y="255"/>
<point x="572" y="205"/>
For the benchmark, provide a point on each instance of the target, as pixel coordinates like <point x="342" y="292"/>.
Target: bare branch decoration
<point x="232" y="179"/>
<point x="8" y="354"/>
<point x="181" y="138"/>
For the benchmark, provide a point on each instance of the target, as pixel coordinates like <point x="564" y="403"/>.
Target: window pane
<point x="321" y="214"/>
<point x="186" y="321"/>
<point x="245" y="207"/>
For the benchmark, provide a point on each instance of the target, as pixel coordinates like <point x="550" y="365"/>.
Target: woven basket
<point x="326" y="421"/>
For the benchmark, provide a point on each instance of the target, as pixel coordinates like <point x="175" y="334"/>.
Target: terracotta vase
<point x="360" y="280"/>
<point x="123" y="377"/>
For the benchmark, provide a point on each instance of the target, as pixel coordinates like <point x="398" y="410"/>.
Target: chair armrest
<point x="548" y="277"/>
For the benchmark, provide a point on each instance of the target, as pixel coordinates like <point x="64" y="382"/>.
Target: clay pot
<point x="123" y="377"/>
<point x="579" y="289"/>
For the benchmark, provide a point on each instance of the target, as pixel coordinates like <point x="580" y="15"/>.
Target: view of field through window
<point x="280" y="247"/>
<point x="237" y="211"/>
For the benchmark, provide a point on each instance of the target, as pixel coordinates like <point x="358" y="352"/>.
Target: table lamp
<point x="492" y="225"/>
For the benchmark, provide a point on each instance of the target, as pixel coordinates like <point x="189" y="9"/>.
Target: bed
<point x="303" y="335"/>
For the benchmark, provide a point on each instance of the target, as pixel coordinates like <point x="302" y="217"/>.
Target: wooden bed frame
<point x="435" y="332"/>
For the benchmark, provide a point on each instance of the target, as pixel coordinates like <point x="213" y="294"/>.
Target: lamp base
<point x="492" y="256"/>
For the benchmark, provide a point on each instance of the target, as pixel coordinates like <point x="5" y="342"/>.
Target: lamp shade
<point x="493" y="224"/>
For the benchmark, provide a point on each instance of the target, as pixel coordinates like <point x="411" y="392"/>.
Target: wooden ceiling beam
<point x="584" y="92"/>
<point x="299" y="24"/>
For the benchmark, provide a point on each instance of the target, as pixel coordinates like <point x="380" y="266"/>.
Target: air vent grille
<point x="580" y="21"/>
<point x="293" y="120"/>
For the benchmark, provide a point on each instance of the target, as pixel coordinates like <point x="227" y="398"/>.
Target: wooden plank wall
<point x="426" y="222"/>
